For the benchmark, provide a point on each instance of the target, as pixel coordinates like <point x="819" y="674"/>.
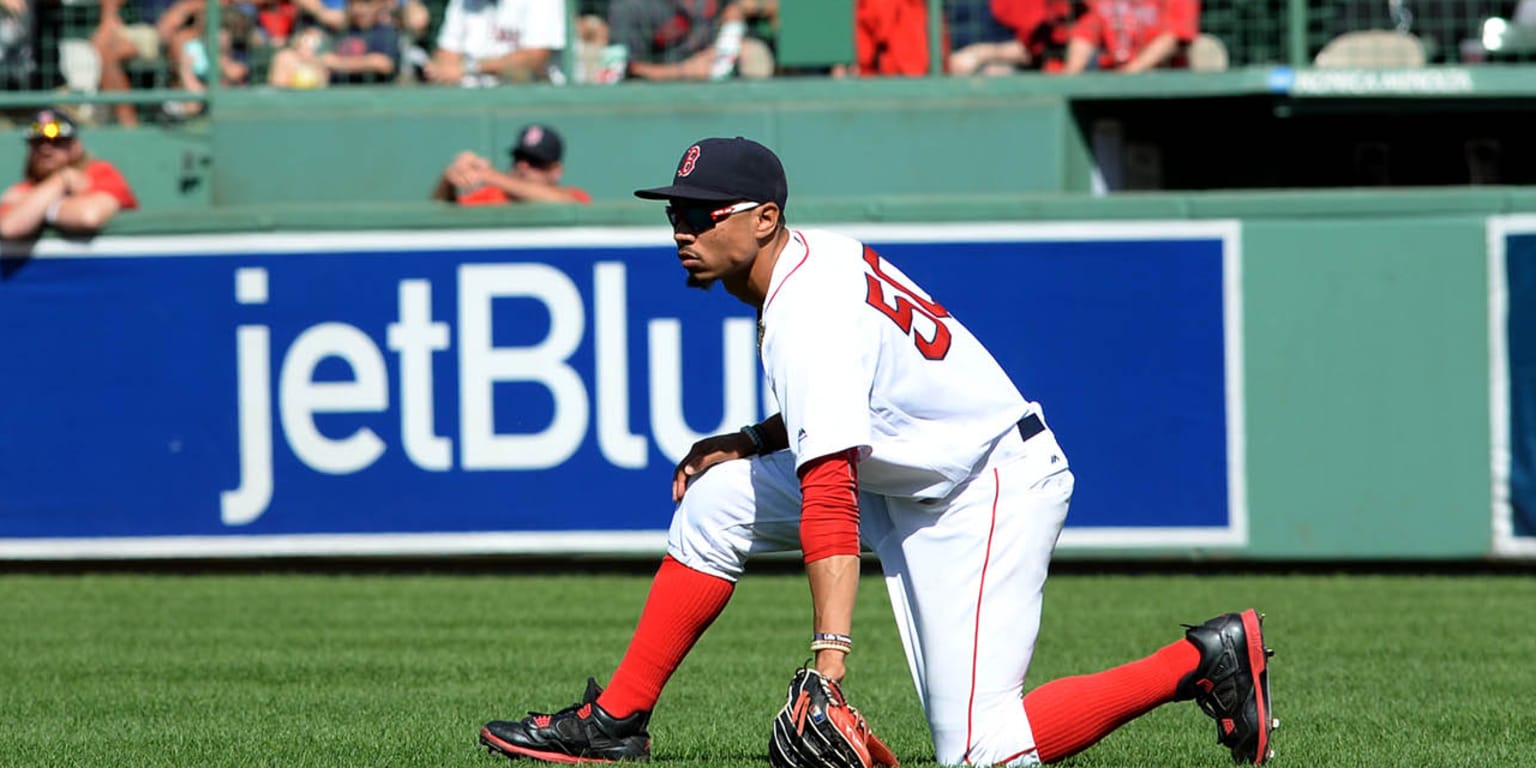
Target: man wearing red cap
<point x="63" y="185"/>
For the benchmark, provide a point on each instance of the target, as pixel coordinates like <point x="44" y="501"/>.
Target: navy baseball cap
<point x="722" y="170"/>
<point x="538" y="144"/>
<point x="50" y="125"/>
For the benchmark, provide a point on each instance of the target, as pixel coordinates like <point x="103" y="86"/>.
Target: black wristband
<point x="756" y="436"/>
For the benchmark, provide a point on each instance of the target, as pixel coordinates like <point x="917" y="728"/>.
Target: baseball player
<point x="898" y="430"/>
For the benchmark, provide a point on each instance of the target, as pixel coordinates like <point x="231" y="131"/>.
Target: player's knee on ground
<point x="998" y="732"/>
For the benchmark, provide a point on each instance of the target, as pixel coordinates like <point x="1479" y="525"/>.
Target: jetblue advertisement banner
<point x="531" y="390"/>
<point x="1512" y="343"/>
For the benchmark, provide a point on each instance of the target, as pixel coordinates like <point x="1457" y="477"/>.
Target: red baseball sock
<point x="682" y="604"/>
<point x="1071" y="714"/>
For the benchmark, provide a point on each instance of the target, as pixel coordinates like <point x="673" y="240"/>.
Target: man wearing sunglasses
<point x="898" y="431"/>
<point x="62" y="186"/>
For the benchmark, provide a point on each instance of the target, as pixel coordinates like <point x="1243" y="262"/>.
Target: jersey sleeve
<point x="451" y="36"/>
<point x="821" y="361"/>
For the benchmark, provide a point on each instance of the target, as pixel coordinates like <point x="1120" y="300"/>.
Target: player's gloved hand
<point x="817" y="729"/>
<point x="705" y="454"/>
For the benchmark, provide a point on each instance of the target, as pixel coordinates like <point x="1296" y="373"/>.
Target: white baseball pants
<point x="965" y="575"/>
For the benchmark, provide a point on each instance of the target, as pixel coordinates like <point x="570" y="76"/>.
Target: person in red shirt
<point x="63" y="186"/>
<point x="891" y="37"/>
<point x="534" y="176"/>
<point x="1132" y="35"/>
<point x="1040" y="30"/>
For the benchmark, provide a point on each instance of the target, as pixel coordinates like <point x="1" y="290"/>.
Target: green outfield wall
<point x="1365" y="320"/>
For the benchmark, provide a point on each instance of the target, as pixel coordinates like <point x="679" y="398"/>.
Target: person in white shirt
<point x="897" y="431"/>
<point x="486" y="42"/>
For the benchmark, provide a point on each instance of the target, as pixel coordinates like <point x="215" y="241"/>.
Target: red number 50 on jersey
<point x="906" y="302"/>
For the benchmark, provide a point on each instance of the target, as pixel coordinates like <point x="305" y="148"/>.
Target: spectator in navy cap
<point x="535" y="174"/>
<point x="62" y="185"/>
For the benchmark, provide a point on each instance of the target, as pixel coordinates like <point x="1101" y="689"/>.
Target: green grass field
<point x="397" y="670"/>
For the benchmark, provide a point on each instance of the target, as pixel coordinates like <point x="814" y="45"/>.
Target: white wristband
<point x="51" y="215"/>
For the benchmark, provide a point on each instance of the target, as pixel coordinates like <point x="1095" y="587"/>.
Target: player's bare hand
<point x="705" y="454"/>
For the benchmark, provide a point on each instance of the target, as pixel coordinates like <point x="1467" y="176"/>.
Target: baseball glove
<point x="817" y="729"/>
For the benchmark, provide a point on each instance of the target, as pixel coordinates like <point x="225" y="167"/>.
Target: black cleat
<point x="1232" y="683"/>
<point x="580" y="734"/>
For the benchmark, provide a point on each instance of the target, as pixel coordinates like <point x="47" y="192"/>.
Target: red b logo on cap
<point x="688" y="161"/>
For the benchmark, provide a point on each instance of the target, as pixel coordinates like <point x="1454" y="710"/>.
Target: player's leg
<point x="735" y="509"/>
<point x="1223" y="664"/>
<point x="966" y="577"/>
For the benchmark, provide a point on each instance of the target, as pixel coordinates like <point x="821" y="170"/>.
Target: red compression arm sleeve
<point x="829" y="506"/>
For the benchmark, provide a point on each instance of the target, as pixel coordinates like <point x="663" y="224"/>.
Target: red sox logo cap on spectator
<point x="539" y="145"/>
<point x="51" y="125"/>
<point x="725" y="170"/>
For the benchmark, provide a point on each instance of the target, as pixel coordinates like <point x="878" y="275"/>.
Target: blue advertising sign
<point x="1512" y="342"/>
<point x="531" y="390"/>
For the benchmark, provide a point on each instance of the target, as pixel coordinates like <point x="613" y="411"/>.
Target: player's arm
<point x="736" y="445"/>
<point x="829" y="539"/>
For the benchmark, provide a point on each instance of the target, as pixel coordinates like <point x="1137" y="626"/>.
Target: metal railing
<point x="65" y="66"/>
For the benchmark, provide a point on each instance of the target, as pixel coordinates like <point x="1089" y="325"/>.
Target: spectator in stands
<point x="299" y="65"/>
<point x="62" y="185"/>
<point x="483" y="42"/>
<point x="330" y="14"/>
<point x="119" y="41"/>
<point x="18" y="46"/>
<point x="275" y="21"/>
<point x="891" y="37"/>
<point x="413" y="15"/>
<point x="367" y="51"/>
<point x="1132" y="35"/>
<point x="692" y="39"/>
<point x="183" y="29"/>
<point x="534" y="176"/>
<point x="1036" y="38"/>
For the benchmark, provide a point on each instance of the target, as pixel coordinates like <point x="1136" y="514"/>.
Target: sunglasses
<point x="698" y="218"/>
<point x="44" y="141"/>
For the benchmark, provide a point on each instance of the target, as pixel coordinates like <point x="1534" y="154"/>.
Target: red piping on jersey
<point x="970" y="707"/>
<point x="803" y="259"/>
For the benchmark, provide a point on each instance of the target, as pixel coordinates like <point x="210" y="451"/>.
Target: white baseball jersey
<point x="488" y="29"/>
<point x="859" y="356"/>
